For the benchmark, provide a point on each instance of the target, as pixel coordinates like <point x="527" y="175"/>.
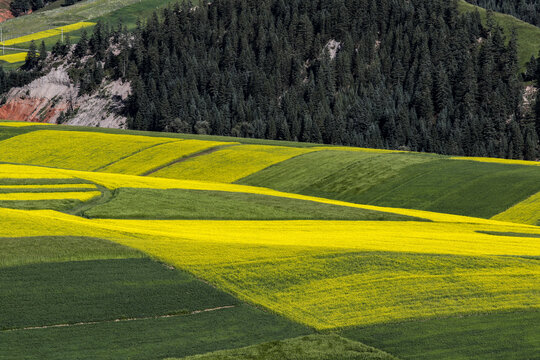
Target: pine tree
<point x="32" y="57"/>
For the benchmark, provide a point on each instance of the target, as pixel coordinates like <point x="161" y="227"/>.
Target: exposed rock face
<point x="44" y="99"/>
<point x="5" y="14"/>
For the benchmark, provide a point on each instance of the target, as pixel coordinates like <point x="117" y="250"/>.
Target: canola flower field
<point x="230" y="164"/>
<point x="13" y="58"/>
<point x="159" y="156"/>
<point x="525" y="212"/>
<point x="47" y="33"/>
<point x="322" y="274"/>
<point x="21" y="123"/>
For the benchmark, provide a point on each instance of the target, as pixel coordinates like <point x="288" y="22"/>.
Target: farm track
<point x="120" y="320"/>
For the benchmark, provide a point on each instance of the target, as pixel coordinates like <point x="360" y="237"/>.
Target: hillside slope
<point x="528" y="35"/>
<point x="365" y="176"/>
<point x="386" y="276"/>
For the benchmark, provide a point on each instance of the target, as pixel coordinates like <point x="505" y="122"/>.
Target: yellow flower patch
<point x="497" y="160"/>
<point x="47" y="33"/>
<point x="525" y="212"/>
<point x="230" y="164"/>
<point x="73" y="149"/>
<point x="72" y="195"/>
<point x="13" y="58"/>
<point x="152" y="158"/>
<point x="20" y="123"/>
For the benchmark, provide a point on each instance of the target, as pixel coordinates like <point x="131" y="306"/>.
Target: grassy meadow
<point x="210" y="248"/>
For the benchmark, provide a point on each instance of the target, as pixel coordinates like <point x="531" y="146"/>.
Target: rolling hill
<point x="303" y="250"/>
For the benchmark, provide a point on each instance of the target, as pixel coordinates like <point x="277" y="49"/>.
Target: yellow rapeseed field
<point x="498" y="161"/>
<point x="153" y="158"/>
<point x="13" y="58"/>
<point x="230" y="164"/>
<point x="9" y="171"/>
<point x="72" y="195"/>
<point x="72" y="149"/>
<point x="47" y="187"/>
<point x="47" y="33"/>
<point x="396" y="236"/>
<point x="525" y="212"/>
<point x="330" y="274"/>
<point x="20" y="123"/>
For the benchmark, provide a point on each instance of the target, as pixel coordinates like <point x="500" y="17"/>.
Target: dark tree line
<point x="526" y="10"/>
<point x="21" y="7"/>
<point x="374" y="73"/>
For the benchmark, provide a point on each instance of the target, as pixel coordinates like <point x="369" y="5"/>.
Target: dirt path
<point x="121" y="320"/>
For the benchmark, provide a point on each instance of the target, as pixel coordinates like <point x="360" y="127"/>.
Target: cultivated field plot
<point x="414" y="283"/>
<point x="230" y="164"/>
<point x="125" y="299"/>
<point x="152" y="159"/>
<point x="47" y="33"/>
<point x="525" y="212"/>
<point x="62" y="194"/>
<point x="14" y="57"/>
<point x="414" y="181"/>
<point x="72" y="150"/>
<point x="21" y="123"/>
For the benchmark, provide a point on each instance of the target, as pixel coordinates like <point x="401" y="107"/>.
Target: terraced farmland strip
<point x="230" y="164"/>
<point x="27" y="196"/>
<point x="457" y="187"/>
<point x="72" y="150"/>
<point x="58" y="205"/>
<point x="129" y="203"/>
<point x="157" y="156"/>
<point x="15" y="174"/>
<point x="21" y="123"/>
<point x="38" y="187"/>
<point x="525" y="212"/>
<point x="497" y="160"/>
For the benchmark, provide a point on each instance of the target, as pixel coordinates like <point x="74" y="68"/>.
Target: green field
<point x="195" y="204"/>
<point x="152" y="338"/>
<point x="312" y="347"/>
<point x="401" y="180"/>
<point x="507" y="335"/>
<point x="128" y="306"/>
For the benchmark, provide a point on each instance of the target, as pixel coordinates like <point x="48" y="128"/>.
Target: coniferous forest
<point x="526" y="10"/>
<point x="414" y="75"/>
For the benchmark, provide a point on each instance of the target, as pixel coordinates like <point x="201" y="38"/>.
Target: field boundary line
<point x="187" y="157"/>
<point x="133" y="153"/>
<point x="195" y="312"/>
